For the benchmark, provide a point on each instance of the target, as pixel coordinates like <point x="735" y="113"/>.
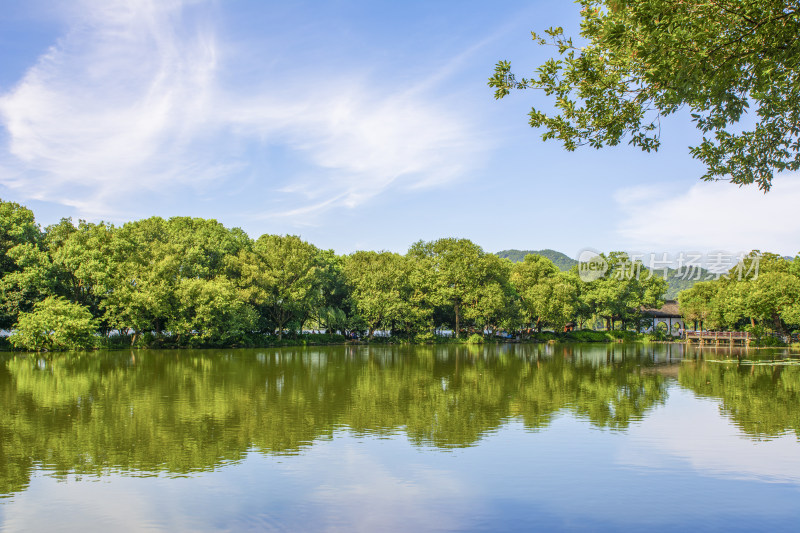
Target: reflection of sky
<point x="683" y="467"/>
<point x="691" y="430"/>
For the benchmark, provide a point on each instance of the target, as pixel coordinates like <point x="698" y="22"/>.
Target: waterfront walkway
<point x="732" y="338"/>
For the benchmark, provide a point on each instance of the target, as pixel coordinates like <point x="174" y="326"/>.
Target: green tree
<point x="17" y="226"/>
<point x="625" y="288"/>
<point x="328" y="302"/>
<point x="548" y="296"/>
<point x="19" y="236"/>
<point x="773" y="299"/>
<point x="210" y="312"/>
<point x="379" y="287"/>
<point x="491" y="304"/>
<point x="37" y="272"/>
<point x="646" y="59"/>
<point x="33" y="279"/>
<point x="55" y="324"/>
<point x="156" y="269"/>
<point x="772" y="296"/>
<point x="280" y="276"/>
<point x="82" y="258"/>
<point x="142" y="283"/>
<point x="700" y="304"/>
<point x="763" y="288"/>
<point x="455" y="270"/>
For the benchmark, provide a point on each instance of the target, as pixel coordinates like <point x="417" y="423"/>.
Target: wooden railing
<point x="718" y="337"/>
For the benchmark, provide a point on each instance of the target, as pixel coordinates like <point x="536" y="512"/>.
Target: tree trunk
<point x="457" y="309"/>
<point x="779" y="325"/>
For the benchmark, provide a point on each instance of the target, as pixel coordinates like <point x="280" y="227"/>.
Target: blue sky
<point x="355" y="124"/>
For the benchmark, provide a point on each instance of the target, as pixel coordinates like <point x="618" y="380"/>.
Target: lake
<point x="432" y="438"/>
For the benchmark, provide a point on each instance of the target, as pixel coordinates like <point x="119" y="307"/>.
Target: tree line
<point x="761" y="294"/>
<point x="193" y="282"/>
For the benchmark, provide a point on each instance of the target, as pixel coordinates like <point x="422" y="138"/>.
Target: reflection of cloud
<point x="130" y="102"/>
<point x="410" y="499"/>
<point x="713" y="216"/>
<point x="334" y="485"/>
<point x="84" y="503"/>
<point x="692" y="429"/>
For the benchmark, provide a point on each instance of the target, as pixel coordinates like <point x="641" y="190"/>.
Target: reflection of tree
<point x="761" y="400"/>
<point x="446" y="401"/>
<point x="602" y="384"/>
<point x="181" y="412"/>
<point x="608" y="396"/>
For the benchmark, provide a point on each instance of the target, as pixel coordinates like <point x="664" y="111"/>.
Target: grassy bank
<point x="149" y="341"/>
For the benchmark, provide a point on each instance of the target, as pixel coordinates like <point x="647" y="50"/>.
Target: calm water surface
<point x="506" y="438"/>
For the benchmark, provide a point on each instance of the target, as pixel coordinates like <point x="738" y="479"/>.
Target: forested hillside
<point x="677" y="279"/>
<point x="562" y="261"/>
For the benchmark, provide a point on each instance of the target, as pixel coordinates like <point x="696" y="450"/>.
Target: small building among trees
<point x="668" y="314"/>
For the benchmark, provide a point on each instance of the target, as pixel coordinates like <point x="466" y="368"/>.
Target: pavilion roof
<point x="670" y="309"/>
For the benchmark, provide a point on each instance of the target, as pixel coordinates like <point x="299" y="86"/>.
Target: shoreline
<point x="362" y="343"/>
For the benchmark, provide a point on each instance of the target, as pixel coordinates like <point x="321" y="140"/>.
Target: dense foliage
<point x="732" y="63"/>
<point x="193" y="282"/>
<point x="55" y="324"/>
<point x="761" y="294"/>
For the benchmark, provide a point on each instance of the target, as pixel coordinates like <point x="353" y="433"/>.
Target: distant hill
<point x="675" y="278"/>
<point x="562" y="261"/>
<point x="676" y="282"/>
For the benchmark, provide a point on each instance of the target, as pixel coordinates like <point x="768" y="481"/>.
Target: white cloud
<point x="712" y="216"/>
<point x="130" y="102"/>
<point x="365" y="143"/>
<point x="107" y="109"/>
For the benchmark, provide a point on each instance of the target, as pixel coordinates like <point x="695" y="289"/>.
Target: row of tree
<point x="195" y="282"/>
<point x="761" y="293"/>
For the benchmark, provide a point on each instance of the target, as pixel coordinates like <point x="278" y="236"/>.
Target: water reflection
<point x="762" y="401"/>
<point x="179" y="412"/>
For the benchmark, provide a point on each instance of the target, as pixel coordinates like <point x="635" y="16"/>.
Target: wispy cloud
<point x="111" y="107"/>
<point x="712" y="216"/>
<point x="361" y="144"/>
<point x="130" y="102"/>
